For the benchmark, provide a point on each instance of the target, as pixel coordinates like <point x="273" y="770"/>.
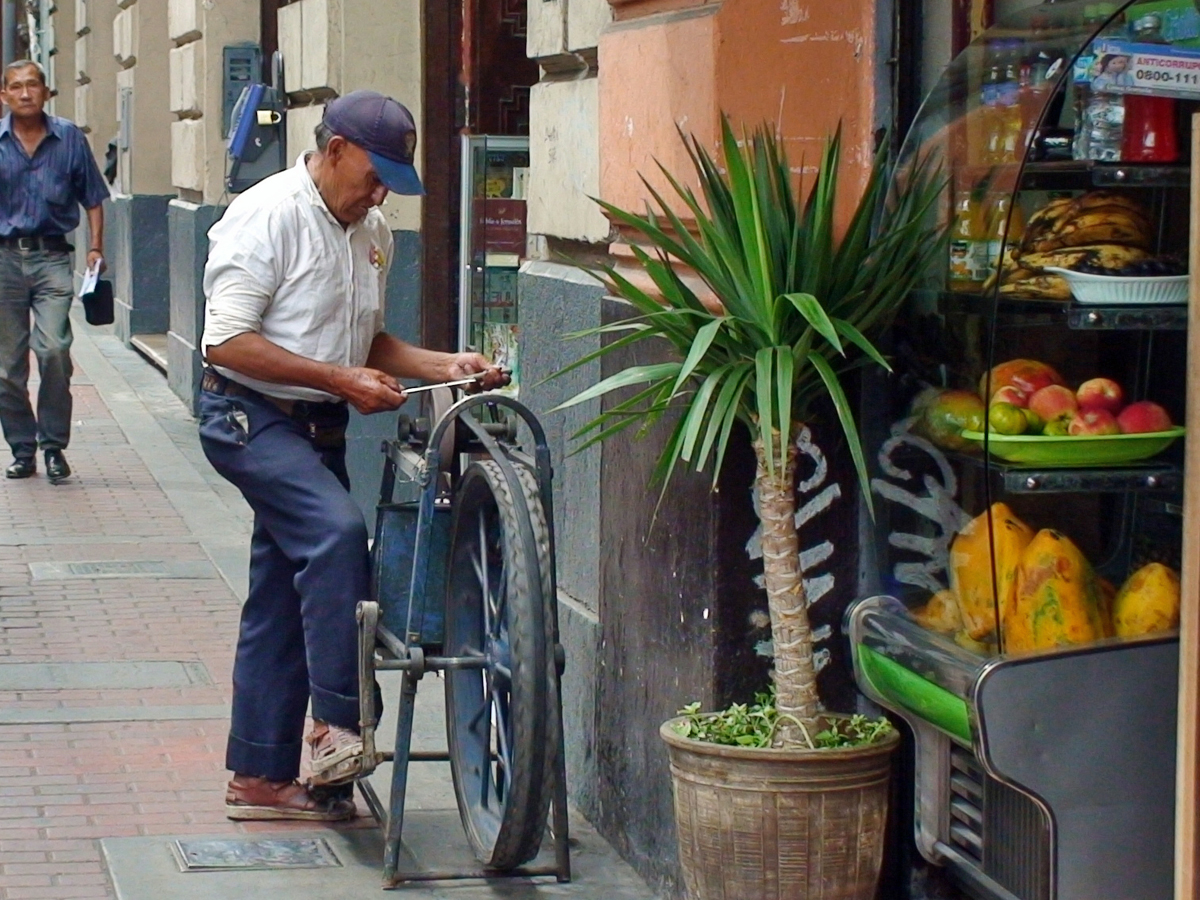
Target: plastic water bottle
<point x="1100" y="122"/>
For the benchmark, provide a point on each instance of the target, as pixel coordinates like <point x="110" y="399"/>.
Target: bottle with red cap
<point x="1149" y="135"/>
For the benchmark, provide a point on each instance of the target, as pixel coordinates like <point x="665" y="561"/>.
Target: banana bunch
<point x="1097" y="217"/>
<point x="1101" y="228"/>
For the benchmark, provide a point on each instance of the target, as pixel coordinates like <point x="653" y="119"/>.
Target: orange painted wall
<point x="654" y="74"/>
<point x="801" y="65"/>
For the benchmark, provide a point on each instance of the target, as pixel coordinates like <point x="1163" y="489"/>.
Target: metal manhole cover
<point x="117" y="567"/>
<point x="121" y="568"/>
<point x="216" y="856"/>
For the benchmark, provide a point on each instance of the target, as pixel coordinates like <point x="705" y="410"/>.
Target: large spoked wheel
<point x="501" y="737"/>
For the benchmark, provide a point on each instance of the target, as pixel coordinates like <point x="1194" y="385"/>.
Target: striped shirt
<point x="42" y="195"/>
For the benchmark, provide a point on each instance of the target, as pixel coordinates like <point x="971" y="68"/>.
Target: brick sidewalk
<point x="81" y="763"/>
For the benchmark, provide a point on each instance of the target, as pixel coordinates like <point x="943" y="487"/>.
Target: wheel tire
<point x="553" y="718"/>
<point x="498" y="732"/>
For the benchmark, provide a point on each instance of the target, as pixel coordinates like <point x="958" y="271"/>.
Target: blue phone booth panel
<point x="391" y="572"/>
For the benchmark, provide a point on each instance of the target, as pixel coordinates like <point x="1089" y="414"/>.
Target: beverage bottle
<point x="1008" y="105"/>
<point x="968" y="245"/>
<point x="993" y="137"/>
<point x="1149" y="133"/>
<point x="1005" y="228"/>
<point x="1100" y="113"/>
<point x="1039" y="67"/>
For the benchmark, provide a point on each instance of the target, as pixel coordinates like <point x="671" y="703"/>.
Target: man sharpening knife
<point x="295" y="285"/>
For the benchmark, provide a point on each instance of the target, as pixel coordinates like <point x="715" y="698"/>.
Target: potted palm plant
<point x="791" y="799"/>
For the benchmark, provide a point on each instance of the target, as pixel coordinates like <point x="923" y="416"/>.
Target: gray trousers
<point x="37" y="285"/>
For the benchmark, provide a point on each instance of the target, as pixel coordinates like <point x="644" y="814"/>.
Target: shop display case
<point x="1028" y="464"/>
<point x="492" y="241"/>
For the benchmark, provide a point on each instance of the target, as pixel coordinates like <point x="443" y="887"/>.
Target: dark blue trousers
<point x="308" y="571"/>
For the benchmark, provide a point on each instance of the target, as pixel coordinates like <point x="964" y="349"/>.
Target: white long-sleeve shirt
<point x="279" y="264"/>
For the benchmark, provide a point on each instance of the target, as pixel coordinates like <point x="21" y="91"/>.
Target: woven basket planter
<point x="763" y="824"/>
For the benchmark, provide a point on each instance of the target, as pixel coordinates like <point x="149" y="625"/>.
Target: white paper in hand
<point x="90" y="277"/>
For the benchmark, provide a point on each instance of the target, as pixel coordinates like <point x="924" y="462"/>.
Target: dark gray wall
<point x="554" y="301"/>
<point x="658" y="584"/>
<point x="136" y="236"/>
<point x="187" y="227"/>
<point x="638" y="605"/>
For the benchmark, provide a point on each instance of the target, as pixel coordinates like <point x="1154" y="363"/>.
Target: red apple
<point x="1013" y="395"/>
<point x="1026" y="375"/>
<point x="1093" y="421"/>
<point x="1143" y="417"/>
<point x="1101" y="393"/>
<point x="1054" y="402"/>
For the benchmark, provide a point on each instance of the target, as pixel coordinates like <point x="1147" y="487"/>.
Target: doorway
<point x="477" y="82"/>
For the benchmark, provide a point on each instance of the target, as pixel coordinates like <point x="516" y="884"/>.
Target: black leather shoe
<point x="21" y="467"/>
<point x="56" y="466"/>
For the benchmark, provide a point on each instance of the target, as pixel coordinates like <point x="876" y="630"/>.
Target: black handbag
<point x="98" y="305"/>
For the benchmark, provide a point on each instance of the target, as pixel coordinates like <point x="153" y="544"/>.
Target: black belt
<point x="37" y="242"/>
<point x="326" y="422"/>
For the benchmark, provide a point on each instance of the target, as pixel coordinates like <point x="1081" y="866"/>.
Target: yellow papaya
<point x="971" y="567"/>
<point x="1058" y="597"/>
<point x="980" y="648"/>
<point x="940" y="613"/>
<point x="1148" y="602"/>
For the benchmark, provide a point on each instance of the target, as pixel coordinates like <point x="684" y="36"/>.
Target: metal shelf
<point x="1080" y="175"/>
<point x="1149" y="478"/>
<point x="1127" y="318"/>
<point x="1154" y="477"/>
<point x="1161" y="477"/>
<point x="1077" y="316"/>
<point x="1083" y="174"/>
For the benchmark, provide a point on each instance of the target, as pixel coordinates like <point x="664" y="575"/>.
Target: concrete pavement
<point x="119" y="599"/>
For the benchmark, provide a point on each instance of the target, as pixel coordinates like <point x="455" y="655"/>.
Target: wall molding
<point x="625" y="10"/>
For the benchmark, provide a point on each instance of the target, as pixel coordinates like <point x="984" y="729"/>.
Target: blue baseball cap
<point x="385" y="129"/>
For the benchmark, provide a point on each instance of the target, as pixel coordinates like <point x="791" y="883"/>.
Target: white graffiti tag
<point x="937" y="504"/>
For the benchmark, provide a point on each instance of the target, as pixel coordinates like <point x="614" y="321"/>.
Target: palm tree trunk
<point x="795" y="675"/>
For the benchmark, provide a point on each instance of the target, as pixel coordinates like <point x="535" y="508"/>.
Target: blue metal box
<point x="391" y="572"/>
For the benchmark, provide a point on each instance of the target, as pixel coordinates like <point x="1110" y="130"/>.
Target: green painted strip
<point x="935" y="704"/>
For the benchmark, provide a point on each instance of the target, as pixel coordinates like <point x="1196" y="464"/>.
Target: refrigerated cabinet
<point x="1045" y="773"/>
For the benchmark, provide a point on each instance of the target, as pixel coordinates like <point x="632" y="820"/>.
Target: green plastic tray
<point x="934" y="704"/>
<point x="1082" y="450"/>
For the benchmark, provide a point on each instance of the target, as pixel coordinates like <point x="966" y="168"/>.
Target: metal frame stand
<point x="395" y="653"/>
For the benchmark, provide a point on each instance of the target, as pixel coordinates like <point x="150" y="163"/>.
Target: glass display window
<point x="495" y="178"/>
<point x="1027" y="454"/>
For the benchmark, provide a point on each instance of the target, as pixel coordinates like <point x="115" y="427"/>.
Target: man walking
<point x="46" y="173"/>
<point x="295" y="284"/>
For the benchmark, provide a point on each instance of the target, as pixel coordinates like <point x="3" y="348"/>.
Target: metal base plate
<point x="242" y="854"/>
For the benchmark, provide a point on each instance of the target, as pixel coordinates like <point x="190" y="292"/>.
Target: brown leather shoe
<point x="337" y="754"/>
<point x="250" y="798"/>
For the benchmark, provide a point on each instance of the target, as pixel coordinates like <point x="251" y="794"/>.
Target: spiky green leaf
<point x="624" y="378"/>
